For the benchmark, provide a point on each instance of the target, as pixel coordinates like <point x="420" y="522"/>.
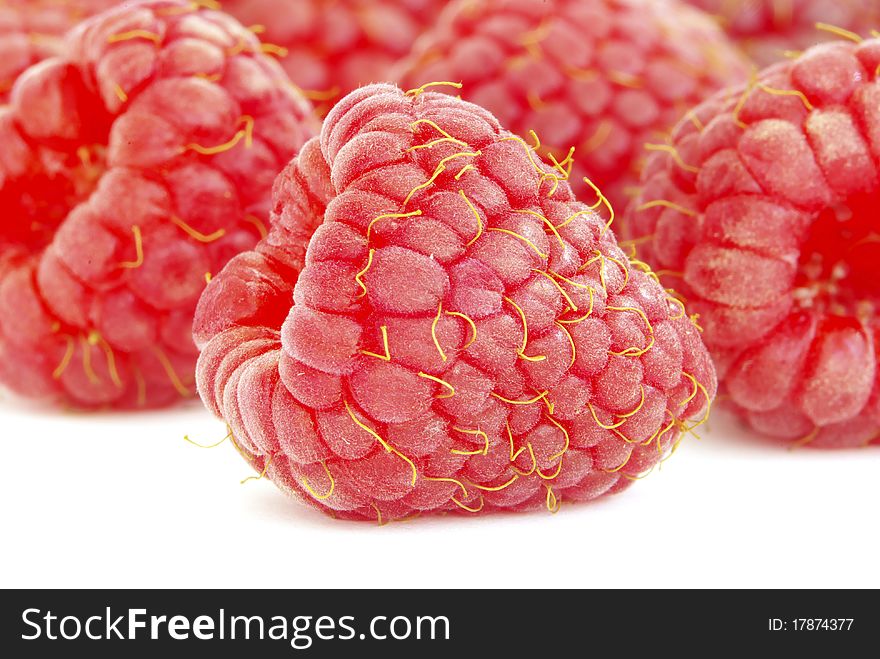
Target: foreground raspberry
<point x="133" y="165"/>
<point x="32" y="30"/>
<point x="767" y="29"/>
<point x="763" y="214"/>
<point x="604" y="76"/>
<point x="329" y="47"/>
<point x="463" y="335"/>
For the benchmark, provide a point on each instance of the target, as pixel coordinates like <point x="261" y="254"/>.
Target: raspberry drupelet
<point x="134" y="165"/>
<point x="32" y="30"/>
<point x="330" y="47"/>
<point x="764" y="216"/>
<point x="768" y="30"/>
<point x="602" y="76"/>
<point x="461" y="334"/>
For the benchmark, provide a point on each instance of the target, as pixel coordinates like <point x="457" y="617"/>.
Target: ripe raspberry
<point x="763" y="212"/>
<point x="766" y="29"/>
<point x="333" y="46"/>
<point x="604" y="76"/>
<point x="32" y="30"/>
<point x="133" y="164"/>
<point x="462" y="335"/>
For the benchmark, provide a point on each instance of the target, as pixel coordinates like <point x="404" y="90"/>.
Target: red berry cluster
<point x="462" y="334"/>
<point x="135" y="163"/>
<point x="418" y="314"/>
<point x="763" y="215"/>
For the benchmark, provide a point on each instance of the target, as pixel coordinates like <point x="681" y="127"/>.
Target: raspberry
<point x="134" y="164"/>
<point x="603" y="75"/>
<point x="460" y="335"/>
<point x="766" y="29"/>
<point x="330" y="47"/>
<point x="32" y="30"/>
<point x="763" y="214"/>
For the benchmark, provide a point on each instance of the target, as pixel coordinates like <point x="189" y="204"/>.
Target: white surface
<point x="123" y="501"/>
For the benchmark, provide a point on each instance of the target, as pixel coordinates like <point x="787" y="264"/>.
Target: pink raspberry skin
<point x="764" y="217"/>
<point x="333" y="46"/>
<point x="32" y="30"/>
<point x="135" y="164"/>
<point x="766" y="29"/>
<point x="603" y="76"/>
<point x="461" y="334"/>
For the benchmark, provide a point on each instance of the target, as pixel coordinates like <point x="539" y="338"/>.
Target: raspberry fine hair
<point x="134" y="165"/>
<point x="602" y="76"/>
<point x="769" y="30"/>
<point x="435" y="324"/>
<point x="763" y="214"/>
<point x="330" y="47"/>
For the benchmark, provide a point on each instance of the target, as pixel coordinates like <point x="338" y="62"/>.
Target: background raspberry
<point x="764" y="216"/>
<point x="134" y="165"/>
<point x="464" y="335"/>
<point x="32" y="30"/>
<point x="332" y="46"/>
<point x="604" y="76"/>
<point x="766" y="29"/>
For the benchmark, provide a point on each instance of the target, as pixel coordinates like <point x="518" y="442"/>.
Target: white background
<point x="122" y="501"/>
